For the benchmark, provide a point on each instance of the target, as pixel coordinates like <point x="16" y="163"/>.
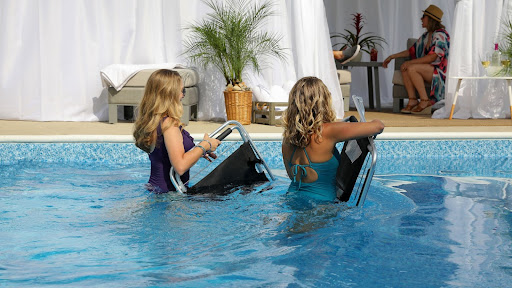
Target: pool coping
<point x="254" y="136"/>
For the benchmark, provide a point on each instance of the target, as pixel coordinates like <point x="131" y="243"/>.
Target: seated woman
<point x="310" y="135"/>
<point x="429" y="61"/>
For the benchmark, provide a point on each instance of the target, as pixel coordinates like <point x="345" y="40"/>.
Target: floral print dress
<point x="440" y="45"/>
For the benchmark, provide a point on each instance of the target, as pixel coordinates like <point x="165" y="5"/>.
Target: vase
<point x="238" y="106"/>
<point x="373" y="54"/>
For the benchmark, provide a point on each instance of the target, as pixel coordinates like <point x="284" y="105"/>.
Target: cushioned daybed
<point x="131" y="93"/>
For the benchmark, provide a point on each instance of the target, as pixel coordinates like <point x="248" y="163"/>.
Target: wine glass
<point x="505" y="63"/>
<point x="485" y="59"/>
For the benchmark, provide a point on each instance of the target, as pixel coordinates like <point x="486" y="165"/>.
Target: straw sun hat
<point x="434" y="12"/>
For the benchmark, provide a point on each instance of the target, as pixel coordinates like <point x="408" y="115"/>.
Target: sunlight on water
<point x="94" y="224"/>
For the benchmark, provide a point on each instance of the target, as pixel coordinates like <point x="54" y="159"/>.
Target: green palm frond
<point x="505" y="44"/>
<point x="230" y="38"/>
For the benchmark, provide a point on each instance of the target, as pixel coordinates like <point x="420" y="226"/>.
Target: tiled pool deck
<point x="404" y="136"/>
<point x="398" y="126"/>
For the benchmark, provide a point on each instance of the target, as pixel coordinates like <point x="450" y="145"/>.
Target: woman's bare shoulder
<point x="170" y="123"/>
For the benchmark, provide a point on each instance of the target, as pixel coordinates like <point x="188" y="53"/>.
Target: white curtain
<point x="477" y="27"/>
<point x="396" y="21"/>
<point x="51" y="52"/>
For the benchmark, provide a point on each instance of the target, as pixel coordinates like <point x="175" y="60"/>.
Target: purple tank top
<point x="160" y="180"/>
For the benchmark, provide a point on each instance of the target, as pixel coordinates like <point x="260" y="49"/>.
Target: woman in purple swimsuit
<point x="158" y="131"/>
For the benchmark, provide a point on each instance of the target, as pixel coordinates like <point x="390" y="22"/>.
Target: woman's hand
<point x="214" y="143"/>
<point x="386" y="62"/>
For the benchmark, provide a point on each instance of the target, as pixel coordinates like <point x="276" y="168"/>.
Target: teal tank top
<point x="324" y="188"/>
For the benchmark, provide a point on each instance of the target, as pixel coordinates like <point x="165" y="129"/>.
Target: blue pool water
<point x="441" y="220"/>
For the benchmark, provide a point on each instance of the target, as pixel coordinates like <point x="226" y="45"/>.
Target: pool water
<point x="93" y="224"/>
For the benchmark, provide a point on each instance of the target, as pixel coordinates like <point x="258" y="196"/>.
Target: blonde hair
<point x="433" y="24"/>
<point x="161" y="99"/>
<point x="309" y="106"/>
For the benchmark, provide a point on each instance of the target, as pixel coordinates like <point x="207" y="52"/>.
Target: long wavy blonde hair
<point x="433" y="24"/>
<point x="161" y="99"/>
<point x="309" y="106"/>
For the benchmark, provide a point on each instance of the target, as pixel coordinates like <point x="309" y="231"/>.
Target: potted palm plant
<point x="505" y="46"/>
<point x="367" y="41"/>
<point x="230" y="39"/>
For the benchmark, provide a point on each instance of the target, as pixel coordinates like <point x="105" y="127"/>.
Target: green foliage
<point x="367" y="41"/>
<point x="505" y="44"/>
<point x="230" y="38"/>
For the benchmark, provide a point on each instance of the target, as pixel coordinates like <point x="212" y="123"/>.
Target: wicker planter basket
<point x="238" y="106"/>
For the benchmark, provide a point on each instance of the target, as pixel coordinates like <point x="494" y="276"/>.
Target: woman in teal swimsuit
<point x="310" y="135"/>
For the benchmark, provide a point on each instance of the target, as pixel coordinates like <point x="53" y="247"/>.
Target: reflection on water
<point x="78" y="225"/>
<point x="469" y="166"/>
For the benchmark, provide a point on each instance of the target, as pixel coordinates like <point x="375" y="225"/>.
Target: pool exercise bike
<point x="245" y="166"/>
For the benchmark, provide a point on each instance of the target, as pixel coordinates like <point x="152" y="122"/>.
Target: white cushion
<point x="397" y="78"/>
<point x="344" y="76"/>
<point x="190" y="77"/>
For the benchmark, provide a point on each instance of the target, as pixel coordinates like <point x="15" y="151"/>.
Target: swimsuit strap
<point x="295" y="167"/>
<point x="307" y="156"/>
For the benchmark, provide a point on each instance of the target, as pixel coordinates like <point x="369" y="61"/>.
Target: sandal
<point x="425" y="110"/>
<point x="409" y="107"/>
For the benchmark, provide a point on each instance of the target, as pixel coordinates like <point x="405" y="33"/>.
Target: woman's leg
<point x="411" y="93"/>
<point x="418" y="74"/>
<point x="337" y="54"/>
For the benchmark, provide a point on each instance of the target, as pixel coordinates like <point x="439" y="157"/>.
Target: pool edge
<point x="254" y="136"/>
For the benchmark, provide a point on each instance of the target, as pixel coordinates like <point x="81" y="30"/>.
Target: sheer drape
<point x="395" y="20"/>
<point x="52" y="51"/>
<point x="473" y="26"/>
<point x="476" y="28"/>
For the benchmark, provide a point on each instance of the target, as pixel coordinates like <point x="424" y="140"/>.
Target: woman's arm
<point x="182" y="161"/>
<point x="342" y="131"/>
<point x="404" y="53"/>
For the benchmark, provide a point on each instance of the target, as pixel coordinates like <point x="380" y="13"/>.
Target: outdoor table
<point x="460" y="78"/>
<point x="373" y="79"/>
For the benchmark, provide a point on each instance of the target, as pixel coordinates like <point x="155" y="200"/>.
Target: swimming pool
<point x="77" y="214"/>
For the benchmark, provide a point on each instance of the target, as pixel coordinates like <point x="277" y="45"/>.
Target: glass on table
<point x="485" y="60"/>
<point x="505" y="61"/>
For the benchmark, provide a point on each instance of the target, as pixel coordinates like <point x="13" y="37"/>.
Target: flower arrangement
<point x="366" y="40"/>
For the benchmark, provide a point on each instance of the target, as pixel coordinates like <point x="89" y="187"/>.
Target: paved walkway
<point x="398" y="126"/>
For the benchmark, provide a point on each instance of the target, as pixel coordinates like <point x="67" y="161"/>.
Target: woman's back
<point x="310" y="134"/>
<point x="311" y="178"/>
